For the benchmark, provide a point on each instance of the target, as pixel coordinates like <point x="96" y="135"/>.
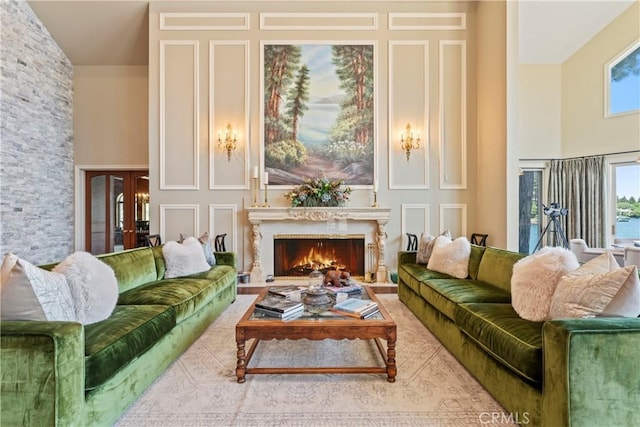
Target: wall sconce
<point x="409" y="142"/>
<point x="229" y="142"/>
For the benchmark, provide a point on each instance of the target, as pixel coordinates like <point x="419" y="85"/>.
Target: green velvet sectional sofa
<point x="569" y="372"/>
<point x="67" y="374"/>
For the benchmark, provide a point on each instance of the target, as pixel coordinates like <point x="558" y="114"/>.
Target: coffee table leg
<point x="391" y="361"/>
<point x="241" y="366"/>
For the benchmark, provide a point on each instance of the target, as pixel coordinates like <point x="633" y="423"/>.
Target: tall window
<point x="530" y="212"/>
<point x="626" y="188"/>
<point x="623" y="82"/>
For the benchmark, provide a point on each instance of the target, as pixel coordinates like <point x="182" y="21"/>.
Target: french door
<point x="116" y="210"/>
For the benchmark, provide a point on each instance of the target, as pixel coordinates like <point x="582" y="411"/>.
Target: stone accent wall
<point x="36" y="139"/>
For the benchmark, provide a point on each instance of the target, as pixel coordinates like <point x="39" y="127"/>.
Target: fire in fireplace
<point x="300" y="254"/>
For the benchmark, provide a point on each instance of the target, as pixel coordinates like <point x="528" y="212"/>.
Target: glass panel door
<point x="117" y="210"/>
<point x="529" y="210"/>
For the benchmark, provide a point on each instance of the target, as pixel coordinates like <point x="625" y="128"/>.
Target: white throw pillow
<point x="28" y="292"/>
<point x="93" y="285"/>
<point x="451" y="257"/>
<point x="535" y="278"/>
<point x="184" y="259"/>
<point x="599" y="287"/>
<point x="207" y="249"/>
<point x="425" y="246"/>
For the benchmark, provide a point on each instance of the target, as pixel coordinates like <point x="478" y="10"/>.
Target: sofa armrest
<point x="591" y="372"/>
<point x="406" y="257"/>
<point x="226" y="258"/>
<point x="42" y="373"/>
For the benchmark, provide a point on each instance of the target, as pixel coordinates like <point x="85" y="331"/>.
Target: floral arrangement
<point x="319" y="192"/>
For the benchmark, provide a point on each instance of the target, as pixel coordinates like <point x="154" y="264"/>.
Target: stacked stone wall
<point x="36" y="139"/>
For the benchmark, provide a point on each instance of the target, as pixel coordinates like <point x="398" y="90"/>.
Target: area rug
<point x="200" y="388"/>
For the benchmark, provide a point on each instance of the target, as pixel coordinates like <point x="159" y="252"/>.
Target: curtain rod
<point x="582" y="157"/>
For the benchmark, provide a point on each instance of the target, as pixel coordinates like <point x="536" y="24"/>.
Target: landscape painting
<point x="318" y="116"/>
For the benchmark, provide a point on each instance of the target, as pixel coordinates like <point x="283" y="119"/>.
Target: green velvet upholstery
<point x="475" y="257"/>
<point x="496" y="267"/>
<point x="497" y="328"/>
<point x="46" y="366"/>
<point x="447" y="294"/>
<point x="113" y="343"/>
<point x="574" y="372"/>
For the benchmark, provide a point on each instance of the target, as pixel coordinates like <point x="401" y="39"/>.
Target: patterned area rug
<point x="200" y="388"/>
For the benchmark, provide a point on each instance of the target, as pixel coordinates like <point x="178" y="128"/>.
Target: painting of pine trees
<point x="318" y="112"/>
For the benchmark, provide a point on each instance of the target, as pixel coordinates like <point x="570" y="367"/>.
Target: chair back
<point x="153" y="240"/>
<point x="412" y="244"/>
<point x="219" y="243"/>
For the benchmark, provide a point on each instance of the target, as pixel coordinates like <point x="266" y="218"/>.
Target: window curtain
<point x="579" y="185"/>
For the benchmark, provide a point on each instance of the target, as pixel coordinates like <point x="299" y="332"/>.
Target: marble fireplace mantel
<point x="379" y="216"/>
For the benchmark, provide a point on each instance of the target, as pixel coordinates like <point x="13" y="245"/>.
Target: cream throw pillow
<point x="93" y="285"/>
<point x="28" y="292"/>
<point x="425" y="246"/>
<point x="535" y="278"/>
<point x="184" y="259"/>
<point x="451" y="257"/>
<point x="599" y="287"/>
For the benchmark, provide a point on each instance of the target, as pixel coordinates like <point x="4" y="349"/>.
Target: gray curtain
<point x="579" y="185"/>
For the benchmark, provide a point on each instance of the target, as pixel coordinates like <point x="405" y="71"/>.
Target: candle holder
<point x="255" y="192"/>
<point x="375" y="200"/>
<point x="266" y="198"/>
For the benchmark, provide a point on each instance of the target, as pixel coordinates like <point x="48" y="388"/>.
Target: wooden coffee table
<point x="319" y="326"/>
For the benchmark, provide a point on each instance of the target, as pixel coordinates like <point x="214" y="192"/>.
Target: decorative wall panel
<point x="179" y="115"/>
<point x="453" y="114"/>
<point x="408" y="103"/>
<point x="223" y="219"/>
<point x="454" y="218"/>
<point x="179" y="218"/>
<point x="319" y="21"/>
<point x="427" y="21"/>
<point x="175" y="21"/>
<point x="229" y="105"/>
<point x="415" y="220"/>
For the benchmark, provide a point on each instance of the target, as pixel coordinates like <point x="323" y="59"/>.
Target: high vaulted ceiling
<point x="115" y="32"/>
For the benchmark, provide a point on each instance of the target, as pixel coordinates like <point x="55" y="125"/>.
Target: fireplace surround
<point x="267" y="222"/>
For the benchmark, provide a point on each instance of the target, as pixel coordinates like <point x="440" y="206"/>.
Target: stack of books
<point x="354" y="307"/>
<point x="352" y="289"/>
<point x="286" y="291"/>
<point x="279" y="307"/>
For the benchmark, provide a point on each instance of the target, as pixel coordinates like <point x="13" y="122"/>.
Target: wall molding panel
<point x="179" y="100"/>
<point x="319" y="21"/>
<point x="453" y="217"/>
<point x="408" y="219"/>
<point x="229" y="104"/>
<point x="452" y="110"/>
<point x="201" y="21"/>
<point x="223" y="218"/>
<point x="427" y="21"/>
<point x="408" y="103"/>
<point x="187" y="215"/>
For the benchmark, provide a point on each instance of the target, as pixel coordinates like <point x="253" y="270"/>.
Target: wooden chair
<point x="153" y="240"/>
<point x="219" y="243"/>
<point x="412" y="245"/>
<point x="479" y="239"/>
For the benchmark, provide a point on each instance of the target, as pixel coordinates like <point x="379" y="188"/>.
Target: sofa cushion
<point x="451" y="256"/>
<point x="187" y="294"/>
<point x="112" y="343"/>
<point x="496" y="267"/>
<point x="515" y="342"/>
<point x="414" y="274"/>
<point x="132" y="268"/>
<point x="446" y="294"/>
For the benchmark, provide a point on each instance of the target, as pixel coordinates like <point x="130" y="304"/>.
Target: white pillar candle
<point x="375" y="185"/>
<point x="266" y="178"/>
<point x="255" y="171"/>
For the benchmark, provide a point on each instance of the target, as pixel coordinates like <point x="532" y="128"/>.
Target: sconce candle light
<point x="229" y="142"/>
<point x="409" y="142"/>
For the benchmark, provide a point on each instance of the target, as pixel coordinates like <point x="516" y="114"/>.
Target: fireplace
<point x="297" y="255"/>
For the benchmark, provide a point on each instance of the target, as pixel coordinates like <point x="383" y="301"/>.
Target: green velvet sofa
<point x="67" y="374"/>
<point x="569" y="372"/>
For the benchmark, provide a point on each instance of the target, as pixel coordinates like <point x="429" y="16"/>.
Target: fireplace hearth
<point x="297" y="255"/>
